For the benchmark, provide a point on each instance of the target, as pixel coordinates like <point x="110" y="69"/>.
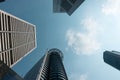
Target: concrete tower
<point x="17" y="38"/>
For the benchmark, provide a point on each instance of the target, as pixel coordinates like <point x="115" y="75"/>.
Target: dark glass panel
<point x="66" y="5"/>
<point x="73" y="1"/>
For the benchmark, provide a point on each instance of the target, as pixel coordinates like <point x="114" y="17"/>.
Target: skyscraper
<point x="17" y="38"/>
<point x="112" y="58"/>
<point x="68" y="6"/>
<point x="49" y="67"/>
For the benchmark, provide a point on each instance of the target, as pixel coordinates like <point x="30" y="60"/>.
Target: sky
<point x="82" y="37"/>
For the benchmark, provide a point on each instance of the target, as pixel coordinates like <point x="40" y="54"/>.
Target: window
<point x="0" y="43"/>
<point x="66" y="5"/>
<point x="0" y="22"/>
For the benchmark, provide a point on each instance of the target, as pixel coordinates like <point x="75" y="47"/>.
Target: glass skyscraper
<point x="17" y="38"/>
<point x="112" y="58"/>
<point x="68" y="6"/>
<point x="49" y="67"/>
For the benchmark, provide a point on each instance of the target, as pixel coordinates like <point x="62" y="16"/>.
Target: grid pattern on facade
<point x="17" y="38"/>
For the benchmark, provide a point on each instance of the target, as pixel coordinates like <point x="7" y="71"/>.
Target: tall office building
<point x="112" y="58"/>
<point x="49" y="67"/>
<point x="68" y="6"/>
<point x="17" y="38"/>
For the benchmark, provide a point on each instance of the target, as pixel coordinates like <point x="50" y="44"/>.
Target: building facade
<point x="68" y="6"/>
<point x="17" y="38"/>
<point x="34" y="72"/>
<point x="49" y="67"/>
<point x="57" y="7"/>
<point x="7" y="73"/>
<point x="112" y="58"/>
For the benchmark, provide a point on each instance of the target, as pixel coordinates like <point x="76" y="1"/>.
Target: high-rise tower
<point x="17" y="38"/>
<point x="112" y="58"/>
<point x="68" y="6"/>
<point x="49" y="67"/>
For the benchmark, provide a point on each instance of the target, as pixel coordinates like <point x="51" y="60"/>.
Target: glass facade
<point x="71" y="5"/>
<point x="112" y="58"/>
<point x="68" y="6"/>
<point x="17" y="38"/>
<point x="34" y="72"/>
<point x="57" y="7"/>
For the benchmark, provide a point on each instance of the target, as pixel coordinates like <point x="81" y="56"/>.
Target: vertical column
<point x="3" y="41"/>
<point x="5" y="37"/>
<point x="0" y="39"/>
<point x="11" y="54"/>
<point x="0" y="33"/>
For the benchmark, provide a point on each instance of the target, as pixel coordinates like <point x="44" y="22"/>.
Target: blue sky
<point x="83" y="37"/>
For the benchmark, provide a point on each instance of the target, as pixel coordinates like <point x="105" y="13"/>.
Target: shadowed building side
<point x="8" y="74"/>
<point x="112" y="58"/>
<point x="34" y="72"/>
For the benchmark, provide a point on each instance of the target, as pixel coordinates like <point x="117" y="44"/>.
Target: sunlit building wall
<point x="17" y="38"/>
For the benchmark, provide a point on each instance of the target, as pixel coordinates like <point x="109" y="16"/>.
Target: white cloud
<point x="84" y="43"/>
<point x="78" y="77"/>
<point x="111" y="7"/>
<point x="83" y="77"/>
